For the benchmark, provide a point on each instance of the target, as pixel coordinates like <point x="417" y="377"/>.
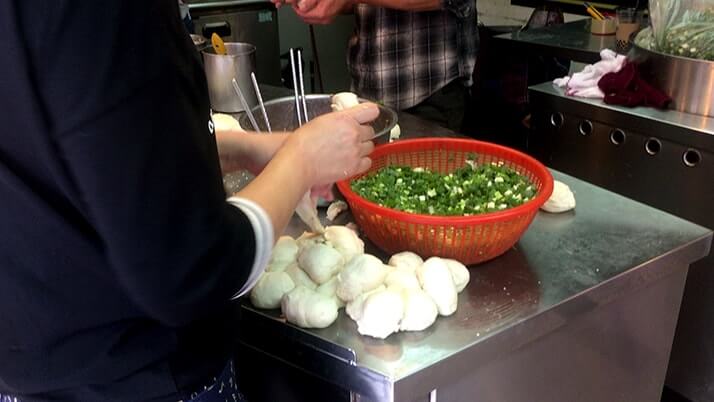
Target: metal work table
<point x="662" y="158"/>
<point x="583" y="308"/>
<point x="571" y="41"/>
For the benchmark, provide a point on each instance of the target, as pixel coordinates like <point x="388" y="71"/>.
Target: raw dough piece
<point x="362" y="273"/>
<point x="299" y="277"/>
<point x="399" y="279"/>
<point x="336" y="208"/>
<point x="395" y="133"/>
<point x="406" y="261"/>
<point x="320" y="261"/>
<point x="308" y="309"/>
<point x="436" y="280"/>
<point x="343" y="100"/>
<point x="345" y="241"/>
<point x="284" y="253"/>
<point x="419" y="310"/>
<point x="459" y="273"/>
<point x="224" y="122"/>
<point x="307" y="238"/>
<point x="329" y="288"/>
<point x="354" y="308"/>
<point x="382" y="312"/>
<point x="270" y="289"/>
<point x="561" y="200"/>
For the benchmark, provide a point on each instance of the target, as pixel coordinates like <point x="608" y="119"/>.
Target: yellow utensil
<point x="218" y="44"/>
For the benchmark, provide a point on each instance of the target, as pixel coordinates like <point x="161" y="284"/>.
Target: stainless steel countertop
<point x="559" y="258"/>
<point x="572" y="40"/>
<point x="702" y="124"/>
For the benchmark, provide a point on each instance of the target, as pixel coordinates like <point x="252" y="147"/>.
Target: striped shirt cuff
<point x="264" y="239"/>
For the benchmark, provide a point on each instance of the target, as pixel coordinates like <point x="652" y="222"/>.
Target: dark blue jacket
<point x="118" y="254"/>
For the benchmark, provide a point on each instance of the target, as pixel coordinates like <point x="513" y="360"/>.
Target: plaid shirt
<point x="402" y="57"/>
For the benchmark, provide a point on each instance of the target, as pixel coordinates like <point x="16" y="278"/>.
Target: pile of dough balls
<point x="312" y="277"/>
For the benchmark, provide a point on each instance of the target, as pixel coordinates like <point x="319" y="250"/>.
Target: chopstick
<point x="295" y="86"/>
<point x="302" y="85"/>
<point x="594" y="12"/>
<point x="260" y="102"/>
<point x="244" y="103"/>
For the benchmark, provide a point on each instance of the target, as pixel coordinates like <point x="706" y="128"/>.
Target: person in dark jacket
<point x="119" y="253"/>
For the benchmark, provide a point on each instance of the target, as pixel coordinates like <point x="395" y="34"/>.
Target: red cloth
<point x="627" y="88"/>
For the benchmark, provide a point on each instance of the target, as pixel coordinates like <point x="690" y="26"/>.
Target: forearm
<point x="249" y="151"/>
<point x="278" y="188"/>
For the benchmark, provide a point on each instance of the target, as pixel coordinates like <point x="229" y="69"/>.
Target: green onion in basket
<point x="469" y="190"/>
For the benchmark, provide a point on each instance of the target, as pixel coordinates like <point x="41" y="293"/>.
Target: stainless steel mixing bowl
<point x="282" y="116"/>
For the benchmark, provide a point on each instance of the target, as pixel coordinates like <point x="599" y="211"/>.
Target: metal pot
<point x="689" y="82"/>
<point x="238" y="63"/>
<point x="282" y="116"/>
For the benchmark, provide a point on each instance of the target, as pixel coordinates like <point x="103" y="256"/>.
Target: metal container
<point x="689" y="82"/>
<point x="282" y="116"/>
<point x="238" y="63"/>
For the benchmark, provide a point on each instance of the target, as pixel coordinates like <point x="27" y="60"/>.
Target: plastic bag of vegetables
<point x="681" y="28"/>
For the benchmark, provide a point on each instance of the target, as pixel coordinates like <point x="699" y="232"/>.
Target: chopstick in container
<point x="594" y="12"/>
<point x="302" y="85"/>
<point x="244" y="103"/>
<point x="295" y="86"/>
<point x="260" y="102"/>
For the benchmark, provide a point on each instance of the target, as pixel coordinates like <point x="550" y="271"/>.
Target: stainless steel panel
<point x="689" y="82"/>
<point x="615" y="157"/>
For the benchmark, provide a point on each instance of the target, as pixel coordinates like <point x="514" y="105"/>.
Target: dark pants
<point x="445" y="107"/>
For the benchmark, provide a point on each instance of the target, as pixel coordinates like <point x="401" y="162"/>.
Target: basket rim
<point x="440" y="220"/>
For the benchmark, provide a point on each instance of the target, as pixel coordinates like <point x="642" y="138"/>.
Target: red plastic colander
<point x="469" y="239"/>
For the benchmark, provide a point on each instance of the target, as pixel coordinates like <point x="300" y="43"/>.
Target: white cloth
<point x="264" y="239"/>
<point x="584" y="83"/>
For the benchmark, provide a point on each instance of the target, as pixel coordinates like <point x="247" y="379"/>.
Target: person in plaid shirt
<point x="414" y="55"/>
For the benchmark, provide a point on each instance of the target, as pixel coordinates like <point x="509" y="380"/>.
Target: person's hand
<point x="336" y="145"/>
<point x="319" y="11"/>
